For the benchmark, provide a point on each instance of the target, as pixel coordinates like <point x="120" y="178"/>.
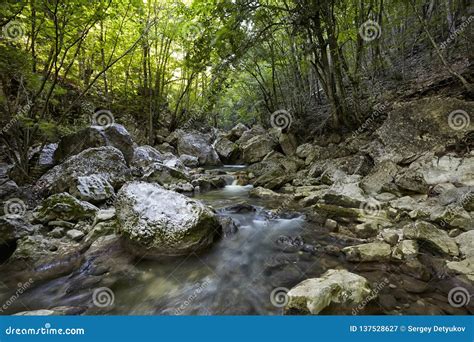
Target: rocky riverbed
<point x="376" y="222"/>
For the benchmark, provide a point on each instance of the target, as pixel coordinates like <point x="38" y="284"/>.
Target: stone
<point x="227" y="150"/>
<point x="374" y="251"/>
<point x="108" y="162"/>
<point x="432" y="237"/>
<point x="237" y="131"/>
<point x="331" y="225"/>
<point x="390" y="237"/>
<point x="189" y="161"/>
<point x="255" y="149"/>
<point x="338" y="288"/>
<point x="379" y="177"/>
<point x="414" y="127"/>
<point x="197" y="145"/>
<point x="466" y="243"/>
<point x="65" y="207"/>
<point x="155" y="222"/>
<point x="95" y="136"/>
<point x="288" y="144"/>
<point x="75" y="234"/>
<point x="405" y="249"/>
<point x="93" y="188"/>
<point x="464" y="267"/>
<point x="58" y="232"/>
<point x="453" y="215"/>
<point x="264" y="193"/>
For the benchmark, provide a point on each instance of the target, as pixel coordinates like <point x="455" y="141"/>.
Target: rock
<point x="464" y="267"/>
<point x="462" y="197"/>
<point x="65" y="207"/>
<point x="379" y="177"/>
<point x="366" y="230"/>
<point x="430" y="236"/>
<point x="95" y="136"/>
<point x="189" y="161"/>
<point x="374" y="251"/>
<point x="108" y="162"/>
<point x="405" y="249"/>
<point x="404" y="203"/>
<point x="229" y="227"/>
<point x="417" y="126"/>
<point x="453" y="215"/>
<point x="163" y="174"/>
<point x="75" y="234"/>
<point x="144" y="156"/>
<point x="331" y="225"/>
<point x="197" y="145"/>
<point x="8" y="188"/>
<point x="104" y="215"/>
<point x="256" y="130"/>
<point x="288" y="144"/>
<point x="263" y="193"/>
<point x="227" y="150"/>
<point x="349" y="165"/>
<point x="93" y="188"/>
<point x="46" y="156"/>
<point x="304" y="150"/>
<point x="13" y="228"/>
<point x="58" y="232"/>
<point x="56" y="311"/>
<point x="390" y="237"/>
<point x="466" y="243"/>
<point x="346" y="195"/>
<point x="166" y="148"/>
<point x="256" y="148"/>
<point x="338" y="288"/>
<point x="158" y="222"/>
<point x="236" y="132"/>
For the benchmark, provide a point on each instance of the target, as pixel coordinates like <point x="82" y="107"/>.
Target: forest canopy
<point x="160" y="65"/>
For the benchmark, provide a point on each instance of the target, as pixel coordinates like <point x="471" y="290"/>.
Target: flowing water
<point x="235" y="276"/>
<point x="230" y="278"/>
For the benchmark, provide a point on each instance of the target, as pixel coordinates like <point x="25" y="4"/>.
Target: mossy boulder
<point x="155" y="222"/>
<point x="64" y="207"/>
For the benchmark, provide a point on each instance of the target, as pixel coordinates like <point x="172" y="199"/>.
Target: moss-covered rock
<point x="65" y="207"/>
<point x="155" y="222"/>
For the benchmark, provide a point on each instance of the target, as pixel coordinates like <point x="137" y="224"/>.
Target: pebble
<point x="75" y="234"/>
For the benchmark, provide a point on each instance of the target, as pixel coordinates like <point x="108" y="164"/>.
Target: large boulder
<point x="107" y="162"/>
<point x="95" y="136"/>
<point x="350" y="165"/>
<point x="335" y="288"/>
<point x="64" y="207"/>
<point x="412" y="128"/>
<point x="251" y="133"/>
<point x="432" y="237"/>
<point x="288" y="143"/>
<point x="155" y="222"/>
<point x="256" y="148"/>
<point x="198" y="145"/>
<point x="236" y="132"/>
<point x="227" y="150"/>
